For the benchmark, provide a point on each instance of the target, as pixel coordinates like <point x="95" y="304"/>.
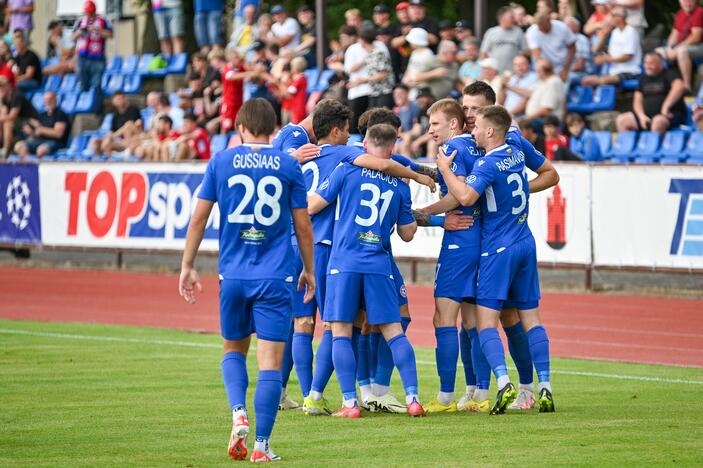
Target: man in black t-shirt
<point x="658" y="105"/>
<point x="29" y="75"/>
<point x="47" y="132"/>
<point x="419" y="19"/>
<point x="127" y="126"/>
<point x="14" y="112"/>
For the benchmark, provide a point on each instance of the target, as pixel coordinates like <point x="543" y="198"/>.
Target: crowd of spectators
<point x="399" y="57"/>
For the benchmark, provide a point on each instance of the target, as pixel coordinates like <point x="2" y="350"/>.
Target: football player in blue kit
<point x="508" y="267"/>
<point x="370" y="204"/>
<point x="298" y="140"/>
<point x="259" y="191"/>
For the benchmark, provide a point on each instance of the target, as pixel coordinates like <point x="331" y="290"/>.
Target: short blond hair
<point x="298" y="64"/>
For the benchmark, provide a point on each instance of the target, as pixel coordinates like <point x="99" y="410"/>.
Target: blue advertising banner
<point x="20" y="214"/>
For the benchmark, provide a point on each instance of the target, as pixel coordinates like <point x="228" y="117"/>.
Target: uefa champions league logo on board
<point x="19" y="208"/>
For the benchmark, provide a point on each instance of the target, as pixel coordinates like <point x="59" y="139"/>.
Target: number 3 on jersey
<point x="519" y="192"/>
<point x="264" y="199"/>
<point x="372" y="205"/>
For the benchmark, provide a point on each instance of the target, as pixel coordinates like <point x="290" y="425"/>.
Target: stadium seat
<point x="43" y="63"/>
<point x="143" y="64"/>
<point x="114" y="84"/>
<point x="78" y="144"/>
<point x="106" y="124"/>
<point x="114" y="64"/>
<point x="630" y="85"/>
<point x="603" y="99"/>
<point x="324" y="81"/>
<point x="53" y="83"/>
<point x="578" y="98"/>
<point x="218" y="143"/>
<point x="68" y="102"/>
<point x="623" y="149"/>
<point x="673" y="147"/>
<point x="132" y="84"/>
<point x="129" y="64"/>
<point x="647" y="149"/>
<point x="694" y="148"/>
<point x="312" y="75"/>
<point x="605" y="141"/>
<point x="85" y="102"/>
<point x="177" y="64"/>
<point x="68" y="83"/>
<point x="38" y="102"/>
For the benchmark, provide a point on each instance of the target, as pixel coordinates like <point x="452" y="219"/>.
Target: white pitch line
<point x="190" y="344"/>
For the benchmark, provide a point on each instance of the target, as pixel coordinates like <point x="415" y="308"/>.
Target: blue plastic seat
<point x="694" y="148"/>
<point x="177" y="64"/>
<point x="114" y="64"/>
<point x="630" y="85"/>
<point x="114" y="84"/>
<point x="69" y="83"/>
<point x="143" y="65"/>
<point x="218" y="143"/>
<point x="579" y="97"/>
<point x="312" y="75"/>
<point x="623" y="149"/>
<point x="324" y="81"/>
<point x="605" y="141"/>
<point x="38" y="102"/>
<point x="78" y="144"/>
<point x="132" y="84"/>
<point x="603" y="99"/>
<point x="85" y="102"/>
<point x="647" y="149"/>
<point x="129" y="64"/>
<point x="68" y="103"/>
<point x="673" y="147"/>
<point x="106" y="125"/>
<point x="53" y="83"/>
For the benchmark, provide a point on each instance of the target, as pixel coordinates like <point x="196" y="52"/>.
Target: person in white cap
<point x="442" y="72"/>
<point x="421" y="54"/>
<point x="490" y="73"/>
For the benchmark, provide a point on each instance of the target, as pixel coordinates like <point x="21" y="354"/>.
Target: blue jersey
<point x="318" y="170"/>
<point x="501" y="178"/>
<point x="256" y="187"/>
<point x="533" y="158"/>
<point x="466" y="154"/>
<point x="370" y="205"/>
<point x="290" y="137"/>
<point x="399" y="158"/>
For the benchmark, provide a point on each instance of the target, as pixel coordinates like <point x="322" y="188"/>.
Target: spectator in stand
<point x="490" y="75"/>
<point x="522" y="19"/>
<point x="208" y="23"/>
<point x="193" y="143"/>
<point x="598" y="25"/>
<point x="6" y="70"/>
<point x="126" y="127"/>
<point x="446" y="31"/>
<point x="168" y="19"/>
<point x="233" y="76"/>
<point x="164" y="107"/>
<point x="381" y="77"/>
<point x="440" y="74"/>
<point x="60" y="48"/>
<point x="552" y="40"/>
<point x="582" y="141"/>
<point x="286" y="30"/>
<point x="15" y="110"/>
<point x="417" y="142"/>
<point x="55" y="42"/>
<point x="385" y="35"/>
<point x="583" y="60"/>
<point x="403" y="17"/>
<point x="18" y="15"/>
<point x="624" y="53"/>
<point x="306" y="48"/>
<point x="565" y="10"/>
<point x="382" y="19"/>
<point x="28" y="67"/>
<point x="419" y="19"/>
<point x="202" y="70"/>
<point x="505" y="41"/>
<point x="548" y="97"/>
<point x="347" y="36"/>
<point x="162" y="145"/>
<point x="470" y="70"/>
<point x="245" y="31"/>
<point x="658" y="104"/>
<point x="554" y="140"/>
<point x="46" y="133"/>
<point x="462" y="31"/>
<point x="404" y="108"/>
<point x="294" y="93"/>
<point x="685" y="42"/>
<point x="517" y="88"/>
<point x="635" y="14"/>
<point x="90" y="34"/>
<point x="419" y="58"/>
<point x="353" y="17"/>
<point x="529" y="131"/>
<point x="264" y="24"/>
<point x="5" y="51"/>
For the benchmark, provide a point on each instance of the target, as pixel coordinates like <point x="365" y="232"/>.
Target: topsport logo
<point x="134" y="204"/>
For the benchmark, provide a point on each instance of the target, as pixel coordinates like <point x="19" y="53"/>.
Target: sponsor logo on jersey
<point x="252" y="234"/>
<point x="369" y="237"/>
<point x="522" y="218"/>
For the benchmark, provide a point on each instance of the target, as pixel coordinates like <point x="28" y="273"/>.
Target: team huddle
<point x="343" y="203"/>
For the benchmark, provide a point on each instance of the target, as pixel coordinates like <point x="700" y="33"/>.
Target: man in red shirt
<point x="233" y="75"/>
<point x="685" y="41"/>
<point x="193" y="142"/>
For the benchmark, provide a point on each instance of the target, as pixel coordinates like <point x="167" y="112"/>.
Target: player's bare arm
<point x="189" y="279"/>
<point x="428" y="171"/>
<point x="445" y="204"/>
<point x="306" y="152"/>
<point x="303" y="233"/>
<point x="394" y="169"/>
<point x="407" y="231"/>
<point x="547" y="176"/>
<point x="466" y="195"/>
<point x="316" y="204"/>
<point x="452" y="221"/>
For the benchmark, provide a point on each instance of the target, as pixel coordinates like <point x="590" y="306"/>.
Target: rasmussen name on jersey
<point x="507" y="163"/>
<point x="379" y="175"/>
<point x="256" y="161"/>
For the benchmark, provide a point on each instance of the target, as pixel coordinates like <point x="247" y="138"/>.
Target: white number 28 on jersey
<point x="372" y="204"/>
<point x="264" y="198"/>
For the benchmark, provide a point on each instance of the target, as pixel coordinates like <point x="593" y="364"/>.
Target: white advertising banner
<point x="143" y="206"/>
<point x="648" y="216"/>
<point x="559" y="219"/>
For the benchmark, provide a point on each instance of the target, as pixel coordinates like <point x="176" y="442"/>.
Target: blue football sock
<point x="447" y="354"/>
<point x="323" y="363"/>
<point x="493" y="350"/>
<point x="302" y="358"/>
<point x="344" y="364"/>
<point x="481" y="366"/>
<point x="266" y="398"/>
<point x="287" y="363"/>
<point x="236" y="379"/>
<point x="405" y="323"/>
<point x="539" y="349"/>
<point x="356" y="334"/>
<point x="519" y="347"/>
<point x="384" y="368"/>
<point x="374" y="339"/>
<point x="465" y="349"/>
<point x="363" y="372"/>
<point x="404" y="359"/>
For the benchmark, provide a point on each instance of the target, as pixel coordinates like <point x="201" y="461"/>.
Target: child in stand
<point x="553" y="138"/>
<point x="193" y="142"/>
<point x="294" y="93"/>
<point x="233" y="76"/>
<point x="582" y="141"/>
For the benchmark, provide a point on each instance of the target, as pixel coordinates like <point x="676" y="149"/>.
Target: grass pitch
<point x="89" y="395"/>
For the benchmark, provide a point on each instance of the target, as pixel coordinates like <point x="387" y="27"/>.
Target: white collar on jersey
<point x="498" y="148"/>
<point x="359" y="144"/>
<point x="257" y="145"/>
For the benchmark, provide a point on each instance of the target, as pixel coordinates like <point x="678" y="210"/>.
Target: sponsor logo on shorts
<point x="252" y="234"/>
<point x="369" y="237"/>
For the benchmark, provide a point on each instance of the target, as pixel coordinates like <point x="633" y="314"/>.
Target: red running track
<point x="621" y="328"/>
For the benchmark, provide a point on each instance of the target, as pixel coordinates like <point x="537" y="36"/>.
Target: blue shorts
<point x="510" y="275"/>
<point x="169" y="23"/>
<point x="346" y="290"/>
<point x="399" y="284"/>
<point x="456" y="273"/>
<point x="321" y="257"/>
<point x="255" y="306"/>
